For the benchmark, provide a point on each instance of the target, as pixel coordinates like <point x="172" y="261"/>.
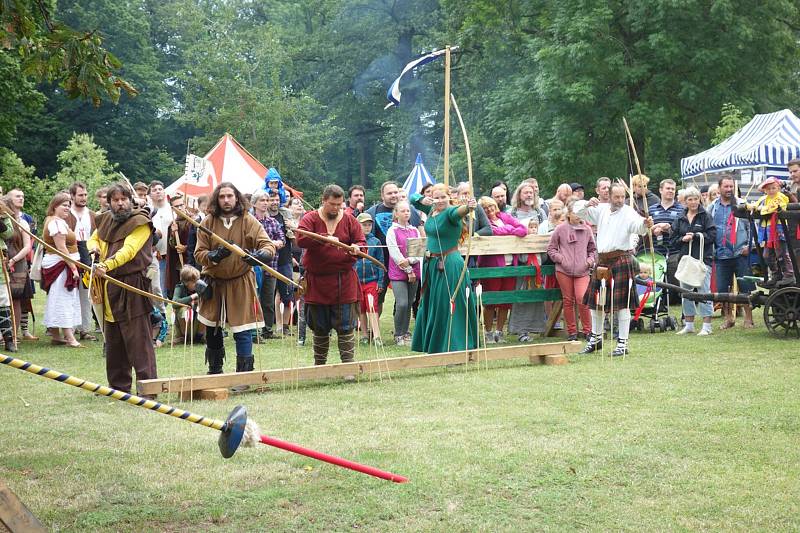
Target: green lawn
<point x="687" y="433"/>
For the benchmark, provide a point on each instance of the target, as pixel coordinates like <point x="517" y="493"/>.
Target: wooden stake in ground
<point x="14" y="515"/>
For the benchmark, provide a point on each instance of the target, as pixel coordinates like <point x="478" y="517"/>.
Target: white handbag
<point x="692" y="271"/>
<point x="36" y="265"/>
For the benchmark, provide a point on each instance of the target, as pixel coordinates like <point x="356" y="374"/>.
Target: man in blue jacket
<point x="731" y="253"/>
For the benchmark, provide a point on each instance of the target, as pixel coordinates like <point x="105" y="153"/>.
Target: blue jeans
<point x="690" y="307"/>
<point x="728" y="268"/>
<point x="162" y="273"/>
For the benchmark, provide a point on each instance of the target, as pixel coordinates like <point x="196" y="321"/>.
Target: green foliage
<point x="55" y="52"/>
<point x="82" y="160"/>
<point x="543" y="84"/>
<point x="14" y="174"/>
<point x="731" y="121"/>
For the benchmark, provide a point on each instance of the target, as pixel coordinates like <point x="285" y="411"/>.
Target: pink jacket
<point x="572" y="249"/>
<point x="512" y="227"/>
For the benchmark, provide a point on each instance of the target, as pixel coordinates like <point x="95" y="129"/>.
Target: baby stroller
<point x="656" y="306"/>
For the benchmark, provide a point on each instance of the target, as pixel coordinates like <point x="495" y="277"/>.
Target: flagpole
<point x="447" y="116"/>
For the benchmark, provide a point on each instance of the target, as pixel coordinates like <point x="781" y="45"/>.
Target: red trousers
<point x="572" y="291"/>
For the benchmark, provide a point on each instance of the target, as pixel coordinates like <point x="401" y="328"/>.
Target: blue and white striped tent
<point x="767" y="142"/>
<point x="418" y="178"/>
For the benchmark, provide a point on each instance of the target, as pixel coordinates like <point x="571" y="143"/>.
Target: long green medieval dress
<point x="433" y="316"/>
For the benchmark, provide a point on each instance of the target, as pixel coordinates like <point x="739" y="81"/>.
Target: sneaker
<point x="704" y="332"/>
<point x="621" y="348"/>
<point x="685" y="330"/>
<point x="498" y="337"/>
<point x="407" y="338"/>
<point x="573" y="337"/>
<point x="524" y="338"/>
<point x="301" y="342"/>
<point x="488" y="337"/>
<point x="400" y="341"/>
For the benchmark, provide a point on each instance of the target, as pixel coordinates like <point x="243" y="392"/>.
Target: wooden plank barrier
<point x="548" y="354"/>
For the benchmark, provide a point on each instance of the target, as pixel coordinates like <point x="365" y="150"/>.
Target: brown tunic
<point x="234" y="297"/>
<point x="126" y="305"/>
<point x="72" y="242"/>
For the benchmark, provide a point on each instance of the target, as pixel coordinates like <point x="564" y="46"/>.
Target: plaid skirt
<point x="625" y="296"/>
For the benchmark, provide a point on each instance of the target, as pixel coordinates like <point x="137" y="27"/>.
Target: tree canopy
<point x="543" y="84"/>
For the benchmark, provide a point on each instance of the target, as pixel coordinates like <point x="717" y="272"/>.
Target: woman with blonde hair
<point x="441" y="325"/>
<point x="60" y="279"/>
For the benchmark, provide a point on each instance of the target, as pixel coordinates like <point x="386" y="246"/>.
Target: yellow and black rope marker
<point x="236" y="430"/>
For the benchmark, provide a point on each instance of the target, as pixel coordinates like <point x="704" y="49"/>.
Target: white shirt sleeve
<point x="57" y="226"/>
<point x="391" y="245"/>
<point x="589" y="214"/>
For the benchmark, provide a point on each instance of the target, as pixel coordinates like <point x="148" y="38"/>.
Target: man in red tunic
<point x="332" y="284"/>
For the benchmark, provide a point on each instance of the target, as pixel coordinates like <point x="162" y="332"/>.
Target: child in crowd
<point x="404" y="271"/>
<point x="186" y="293"/>
<point x="160" y="328"/>
<point x="370" y="278"/>
<point x="771" y="233"/>
<point x="554" y="218"/>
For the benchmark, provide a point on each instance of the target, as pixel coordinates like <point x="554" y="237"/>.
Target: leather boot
<point x="215" y="357"/>
<point x="244" y="363"/>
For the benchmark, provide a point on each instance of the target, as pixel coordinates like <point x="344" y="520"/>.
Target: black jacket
<point x="702" y="223"/>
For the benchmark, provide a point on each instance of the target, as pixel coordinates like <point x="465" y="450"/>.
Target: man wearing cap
<point x="616" y="222"/>
<point x="577" y="191"/>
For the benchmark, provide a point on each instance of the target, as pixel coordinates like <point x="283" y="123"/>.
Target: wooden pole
<point x="447" y="116"/>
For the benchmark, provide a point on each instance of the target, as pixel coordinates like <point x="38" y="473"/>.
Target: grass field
<point x="687" y="433"/>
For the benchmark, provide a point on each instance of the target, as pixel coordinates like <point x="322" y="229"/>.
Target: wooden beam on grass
<point x="550" y="354"/>
<point x="502" y="244"/>
<point x="14" y="515"/>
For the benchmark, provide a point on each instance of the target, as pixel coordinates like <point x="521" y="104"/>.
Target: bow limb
<point x="236" y="249"/>
<point x="339" y="244"/>
<point x="470" y="215"/>
<point x="644" y="197"/>
<point x="106" y="277"/>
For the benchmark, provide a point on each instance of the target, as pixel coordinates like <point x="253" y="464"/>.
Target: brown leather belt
<point x="610" y="256"/>
<point x="441" y="254"/>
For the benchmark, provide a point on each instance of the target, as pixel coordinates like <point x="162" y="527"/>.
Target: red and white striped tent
<point x="226" y="161"/>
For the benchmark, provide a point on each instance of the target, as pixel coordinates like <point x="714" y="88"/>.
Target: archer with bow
<point x="439" y="329"/>
<point x="332" y="239"/>
<point x="123" y="243"/>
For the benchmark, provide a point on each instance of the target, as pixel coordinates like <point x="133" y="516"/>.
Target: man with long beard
<point x="233" y="299"/>
<point x="332" y="294"/>
<point x="615" y="222"/>
<point x="123" y="244"/>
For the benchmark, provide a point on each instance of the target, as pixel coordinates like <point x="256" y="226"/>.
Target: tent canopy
<point x="418" y="178"/>
<point x="770" y="141"/>
<point x="226" y="161"/>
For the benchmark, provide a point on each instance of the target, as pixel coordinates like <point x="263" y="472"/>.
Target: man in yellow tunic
<point x="123" y="242"/>
<point x="233" y="299"/>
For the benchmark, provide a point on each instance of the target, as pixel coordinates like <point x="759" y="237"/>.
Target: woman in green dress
<point x="437" y="329"/>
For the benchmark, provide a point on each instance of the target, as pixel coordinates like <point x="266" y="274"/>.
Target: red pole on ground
<point x="332" y="459"/>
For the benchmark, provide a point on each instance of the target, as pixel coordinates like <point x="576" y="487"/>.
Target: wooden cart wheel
<point x="782" y="312"/>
